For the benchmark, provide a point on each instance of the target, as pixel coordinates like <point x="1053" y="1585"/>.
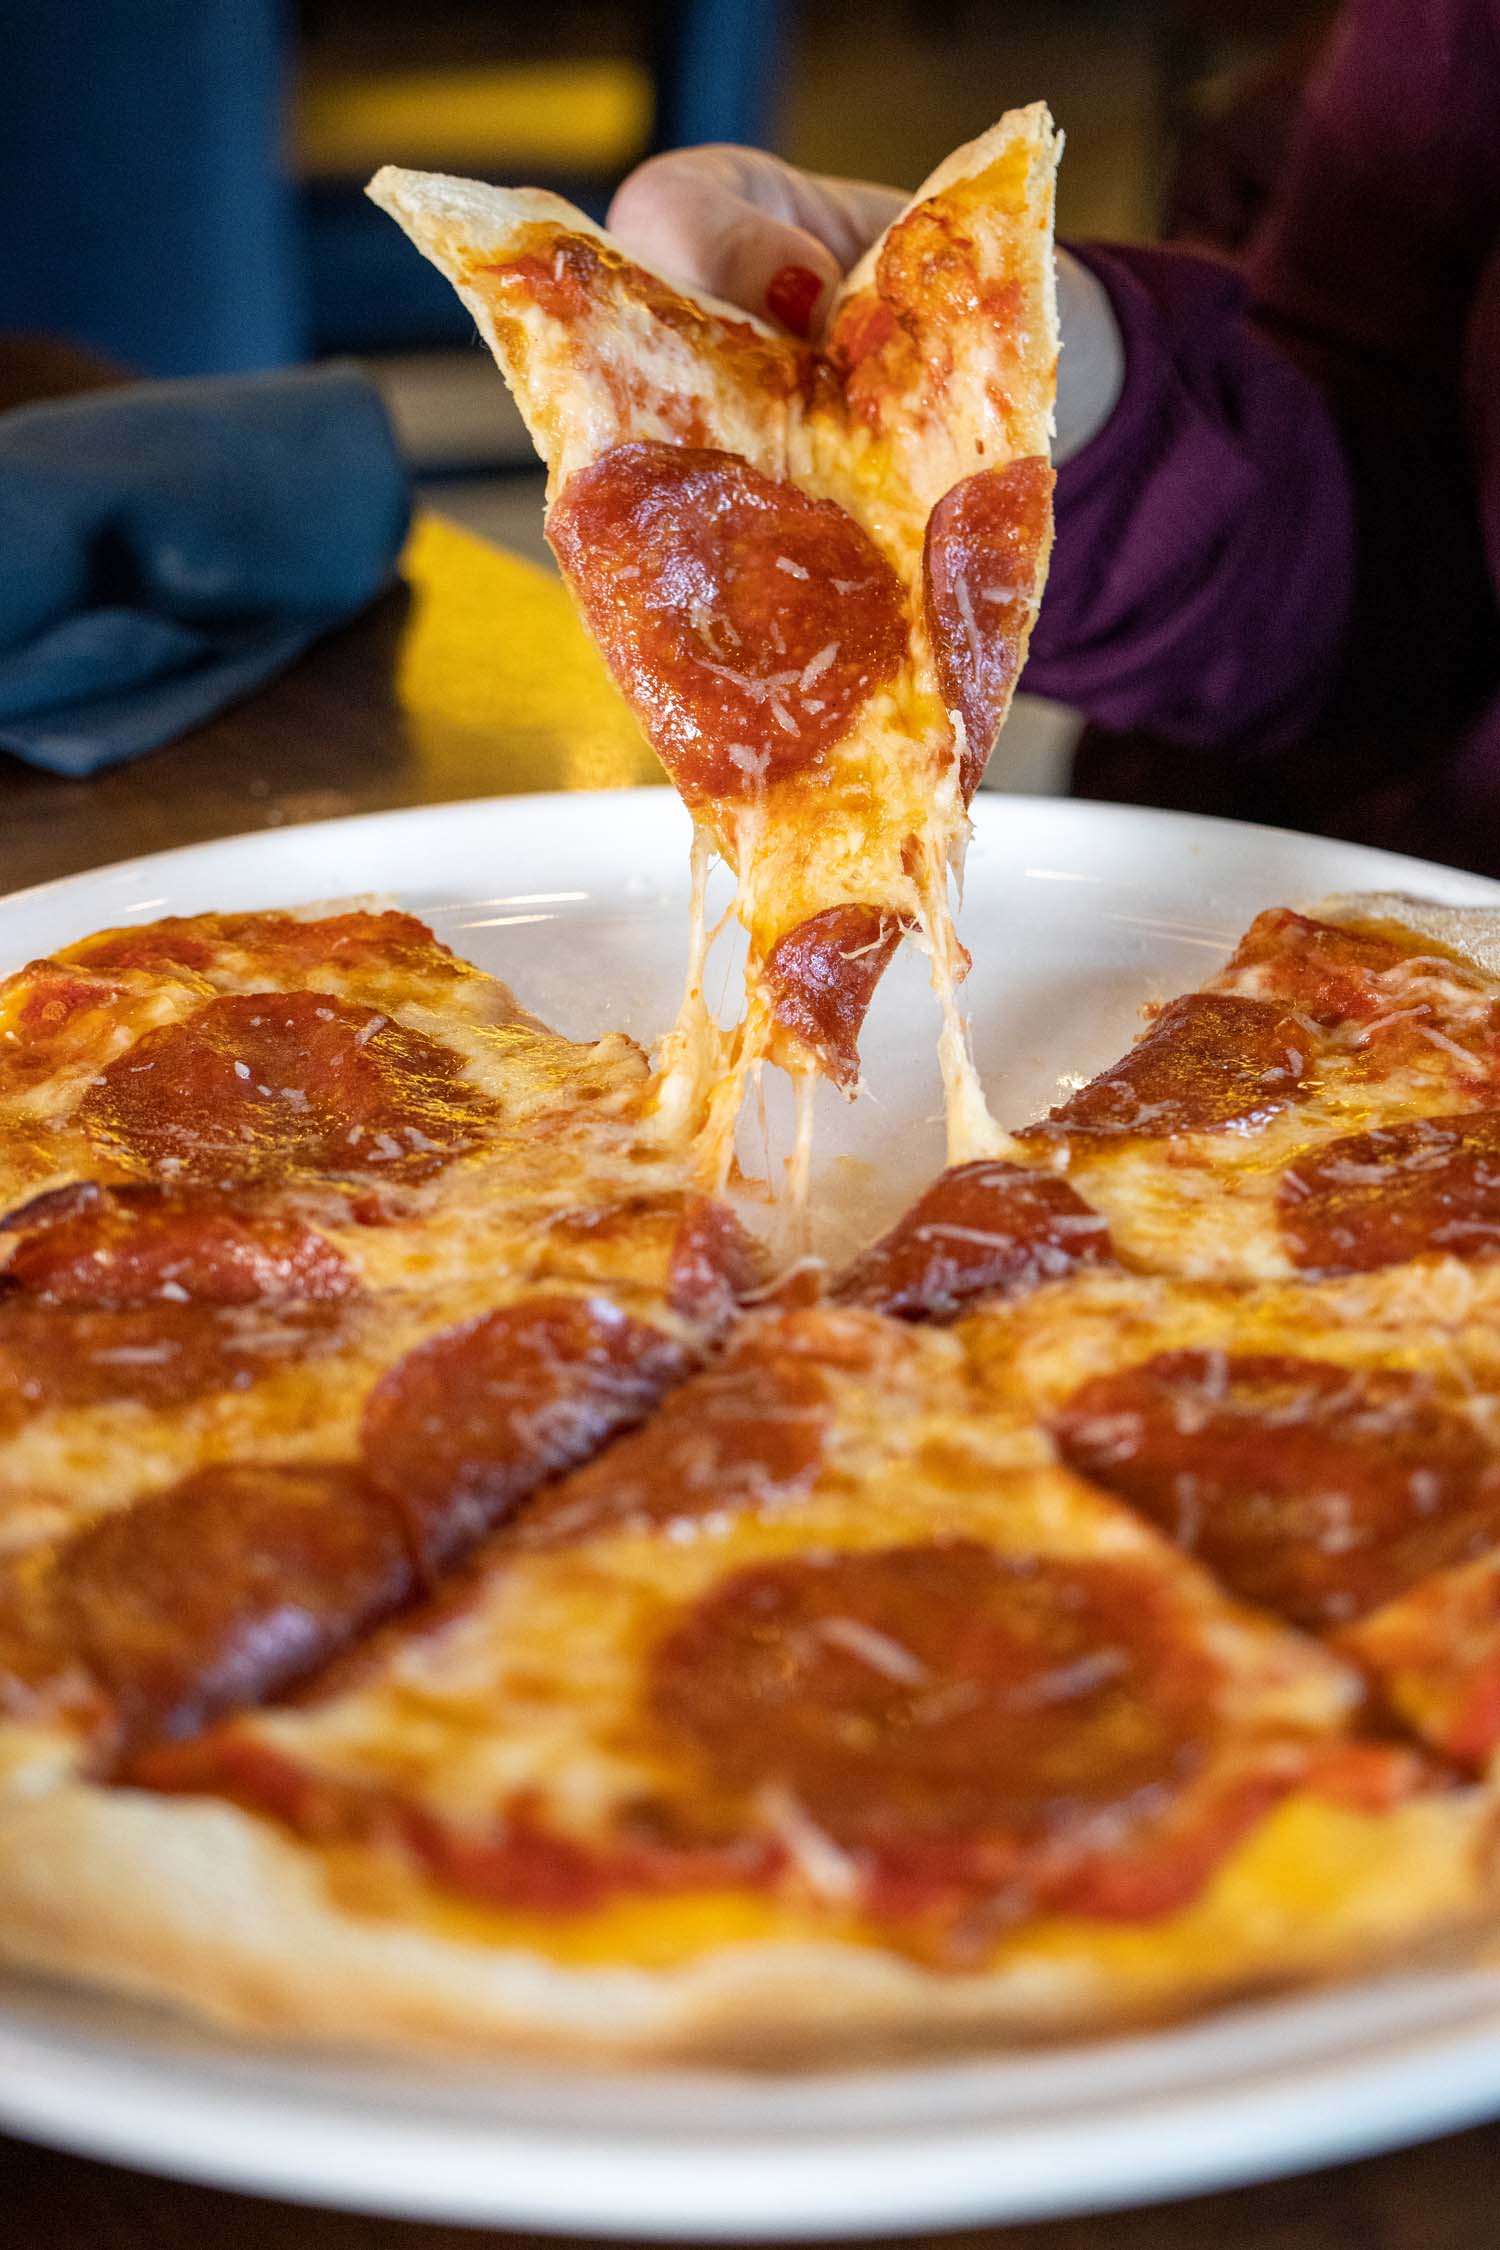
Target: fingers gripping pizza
<point x="447" y="1592"/>
<point x="812" y="571"/>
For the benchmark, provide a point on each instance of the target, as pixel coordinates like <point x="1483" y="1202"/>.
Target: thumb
<point x="727" y="221"/>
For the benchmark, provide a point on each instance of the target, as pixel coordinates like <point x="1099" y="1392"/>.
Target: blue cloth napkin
<point x="165" y="549"/>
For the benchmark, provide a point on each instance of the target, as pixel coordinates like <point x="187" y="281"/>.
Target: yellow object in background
<point x="582" y="114"/>
<point x="498" y="686"/>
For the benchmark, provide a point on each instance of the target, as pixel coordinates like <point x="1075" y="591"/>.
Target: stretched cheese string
<point x="972" y="1131"/>
<point x="692" y="1054"/>
<point x="799" y="1163"/>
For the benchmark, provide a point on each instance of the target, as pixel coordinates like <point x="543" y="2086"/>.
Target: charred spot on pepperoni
<point x="269" y="1085"/>
<point x="158" y="1356"/>
<point x="222" y="1590"/>
<point x="1211" y="1062"/>
<point x="467" y="1425"/>
<point x="940" y="1699"/>
<point x="983" y="562"/>
<point x="143" y="1244"/>
<point x="1315" y="1490"/>
<point x="821" y="978"/>
<point x="1428" y="1187"/>
<point x="747" y="623"/>
<point x="981" y="1230"/>
<point x="746" y="1433"/>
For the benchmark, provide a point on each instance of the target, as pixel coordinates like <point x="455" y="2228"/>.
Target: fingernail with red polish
<point x="791" y="297"/>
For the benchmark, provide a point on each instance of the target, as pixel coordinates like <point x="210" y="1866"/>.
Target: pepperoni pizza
<point x="812" y="570"/>
<point x="449" y="1590"/>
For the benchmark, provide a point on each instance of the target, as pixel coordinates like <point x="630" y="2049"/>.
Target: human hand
<point x="742" y="225"/>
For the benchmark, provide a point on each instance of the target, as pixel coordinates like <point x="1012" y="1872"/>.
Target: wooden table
<point x="472" y="680"/>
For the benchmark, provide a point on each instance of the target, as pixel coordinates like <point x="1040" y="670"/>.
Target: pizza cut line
<point x="813" y="570"/>
<point x="451" y="1589"/>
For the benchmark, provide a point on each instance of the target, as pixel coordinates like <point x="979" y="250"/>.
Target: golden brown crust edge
<point x="201" y="1905"/>
<point x="1473" y="931"/>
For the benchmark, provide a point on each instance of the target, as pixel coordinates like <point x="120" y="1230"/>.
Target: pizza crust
<point x="202" y="1905"/>
<point x="1473" y="931"/>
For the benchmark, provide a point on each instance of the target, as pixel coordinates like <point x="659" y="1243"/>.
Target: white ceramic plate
<point x="1075" y="914"/>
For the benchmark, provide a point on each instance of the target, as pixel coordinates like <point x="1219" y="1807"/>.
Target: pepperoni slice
<point x="980" y="1230"/>
<point x="747" y="624"/>
<point x="137" y="1245"/>
<point x="1430" y="1186"/>
<point x="821" y="978"/>
<point x="985" y="551"/>
<point x="1313" y="1489"/>
<point x="749" y="1432"/>
<point x="214" y="1594"/>
<point x="1211" y="1062"/>
<point x="267" y="1085"/>
<point x="464" y="1427"/>
<point x="159" y="1355"/>
<point x="714" y="1263"/>
<point x="945" y="1714"/>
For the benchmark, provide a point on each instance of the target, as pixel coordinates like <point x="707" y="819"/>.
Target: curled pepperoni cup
<point x="985" y="553"/>
<point x="462" y="1429"/>
<point x="1316" y="1490"/>
<point x="1429" y="1187"/>
<point x="821" y="978"/>
<point x="985" y="1229"/>
<point x="942" y="1713"/>
<point x="747" y="624"/>
<point x="267" y="1085"/>
<point x="140" y="1245"/>
<point x="1211" y="1062"/>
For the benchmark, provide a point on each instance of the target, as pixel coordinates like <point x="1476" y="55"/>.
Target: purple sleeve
<point x="1200" y="582"/>
<point x="1277" y="530"/>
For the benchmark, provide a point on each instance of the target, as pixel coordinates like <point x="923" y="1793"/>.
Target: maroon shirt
<point x="1277" y="575"/>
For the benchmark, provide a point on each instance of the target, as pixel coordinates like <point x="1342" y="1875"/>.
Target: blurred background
<point x="181" y="179"/>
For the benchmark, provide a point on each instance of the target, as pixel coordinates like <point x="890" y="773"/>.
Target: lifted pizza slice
<point x="813" y="571"/>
